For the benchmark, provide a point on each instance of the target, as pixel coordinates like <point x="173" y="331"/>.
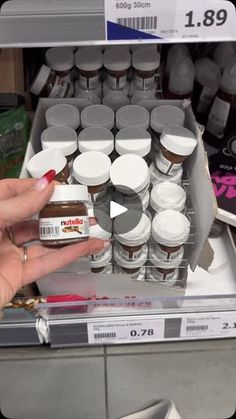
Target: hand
<point x="20" y="199"/>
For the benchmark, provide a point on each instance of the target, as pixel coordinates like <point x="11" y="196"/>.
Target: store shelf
<point x="56" y="23"/>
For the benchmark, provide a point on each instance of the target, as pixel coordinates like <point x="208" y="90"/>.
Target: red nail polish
<point x="50" y="175"/>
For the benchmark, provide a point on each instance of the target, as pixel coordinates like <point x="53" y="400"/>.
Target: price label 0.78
<point x="170" y="20"/>
<point x="129" y="331"/>
<point x="209" y="325"/>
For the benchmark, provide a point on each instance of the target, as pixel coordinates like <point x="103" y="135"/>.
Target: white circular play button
<point x="116" y="209"/>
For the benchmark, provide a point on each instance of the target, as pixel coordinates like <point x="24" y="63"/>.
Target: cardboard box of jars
<point x="199" y="189"/>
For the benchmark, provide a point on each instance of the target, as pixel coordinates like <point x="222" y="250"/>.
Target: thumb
<point x="28" y="203"/>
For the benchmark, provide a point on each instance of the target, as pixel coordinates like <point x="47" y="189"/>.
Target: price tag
<point x="222" y="325"/>
<point x="170" y="20"/>
<point x="106" y="332"/>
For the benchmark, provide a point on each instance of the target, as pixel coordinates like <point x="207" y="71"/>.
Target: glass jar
<point x="145" y="63"/>
<point x="64" y="219"/>
<point x="48" y="84"/>
<point x="158" y="177"/>
<point x="89" y="63"/>
<point x="117" y="63"/>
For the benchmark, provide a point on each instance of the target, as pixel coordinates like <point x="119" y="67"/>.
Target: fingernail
<point x="106" y="243"/>
<point x="45" y="180"/>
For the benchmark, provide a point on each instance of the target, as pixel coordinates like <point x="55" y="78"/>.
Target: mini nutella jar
<point x="137" y="274"/>
<point x="145" y="64"/>
<point x="65" y="219"/>
<point x="133" y="141"/>
<point x="131" y="266"/>
<point x="130" y="171"/>
<point x="165" y="271"/>
<point x="97" y="116"/>
<point x="170" y="230"/>
<point x="158" y="177"/>
<point x="163" y="116"/>
<point x="167" y="195"/>
<point x="92" y="169"/>
<point x="117" y="63"/>
<point x="176" y="144"/>
<point x="89" y="64"/>
<point x="96" y="139"/>
<point x="48" y="84"/>
<point x="64" y="138"/>
<point x="101" y="260"/>
<point x="131" y="116"/>
<point x="131" y="245"/>
<point x="107" y="90"/>
<point x="50" y="159"/>
<point x="61" y="60"/>
<point x="63" y="115"/>
<point x="115" y="100"/>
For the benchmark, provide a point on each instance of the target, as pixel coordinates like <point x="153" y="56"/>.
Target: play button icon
<point x="124" y="209"/>
<point x="116" y="209"/>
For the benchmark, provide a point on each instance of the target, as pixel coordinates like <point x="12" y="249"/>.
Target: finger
<point x="92" y="221"/>
<point x="25" y="232"/>
<point x="13" y="187"/>
<point x="25" y="205"/>
<point x="46" y="260"/>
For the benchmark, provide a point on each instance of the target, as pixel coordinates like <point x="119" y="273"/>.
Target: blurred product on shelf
<point x="48" y="84"/>
<point x="64" y="138"/>
<point x="181" y="79"/>
<point x="14" y="135"/>
<point x="176" y="53"/>
<point x="222" y="114"/>
<point x="207" y="82"/>
<point x="224" y="54"/>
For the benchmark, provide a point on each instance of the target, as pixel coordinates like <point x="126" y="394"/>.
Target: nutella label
<point x="139" y="275"/>
<point x="89" y="83"/>
<point x="117" y="83"/>
<point x="60" y="88"/>
<point x="161" y="254"/>
<point x="205" y="99"/>
<point x="106" y="253"/>
<point x="155" y="275"/>
<point x="63" y="228"/>
<point x="165" y="165"/>
<point x="218" y="117"/>
<point x="130" y="255"/>
<point x="144" y="84"/>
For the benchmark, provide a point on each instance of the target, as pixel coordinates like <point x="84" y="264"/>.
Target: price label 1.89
<point x="170" y="20"/>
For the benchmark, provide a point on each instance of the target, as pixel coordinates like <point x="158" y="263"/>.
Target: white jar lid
<point x="170" y="228"/>
<point x="97" y="116"/>
<point x="131" y="171"/>
<point x="132" y="264"/>
<point x="118" y="59"/>
<point x="96" y="231"/>
<point x="40" y="80"/>
<point x="165" y="115"/>
<point x="167" y="195"/>
<point x="132" y="116"/>
<point x="42" y="162"/>
<point x="60" y="58"/>
<point x="145" y="60"/>
<point x="157" y="176"/>
<point x="115" y="100"/>
<point x="102" y="261"/>
<point x="92" y="168"/>
<point x="107" y="89"/>
<point x="178" y="140"/>
<point x="134" y="141"/>
<point x="63" y="115"/>
<point x="162" y="263"/>
<point x="64" y="138"/>
<point x="63" y="193"/>
<point x="88" y="60"/>
<point x="136" y="237"/>
<point x="96" y="139"/>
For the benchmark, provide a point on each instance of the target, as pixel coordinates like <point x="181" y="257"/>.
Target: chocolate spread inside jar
<point x="64" y="219"/>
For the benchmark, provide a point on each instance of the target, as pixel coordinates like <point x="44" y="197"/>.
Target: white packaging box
<point x="202" y="194"/>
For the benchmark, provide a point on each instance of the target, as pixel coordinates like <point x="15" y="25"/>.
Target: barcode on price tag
<point x="222" y="325"/>
<point x="106" y="332"/>
<point x="187" y="20"/>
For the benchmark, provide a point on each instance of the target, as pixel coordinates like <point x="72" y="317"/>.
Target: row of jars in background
<point x="211" y="84"/>
<point x="80" y="74"/>
<point x="153" y="250"/>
